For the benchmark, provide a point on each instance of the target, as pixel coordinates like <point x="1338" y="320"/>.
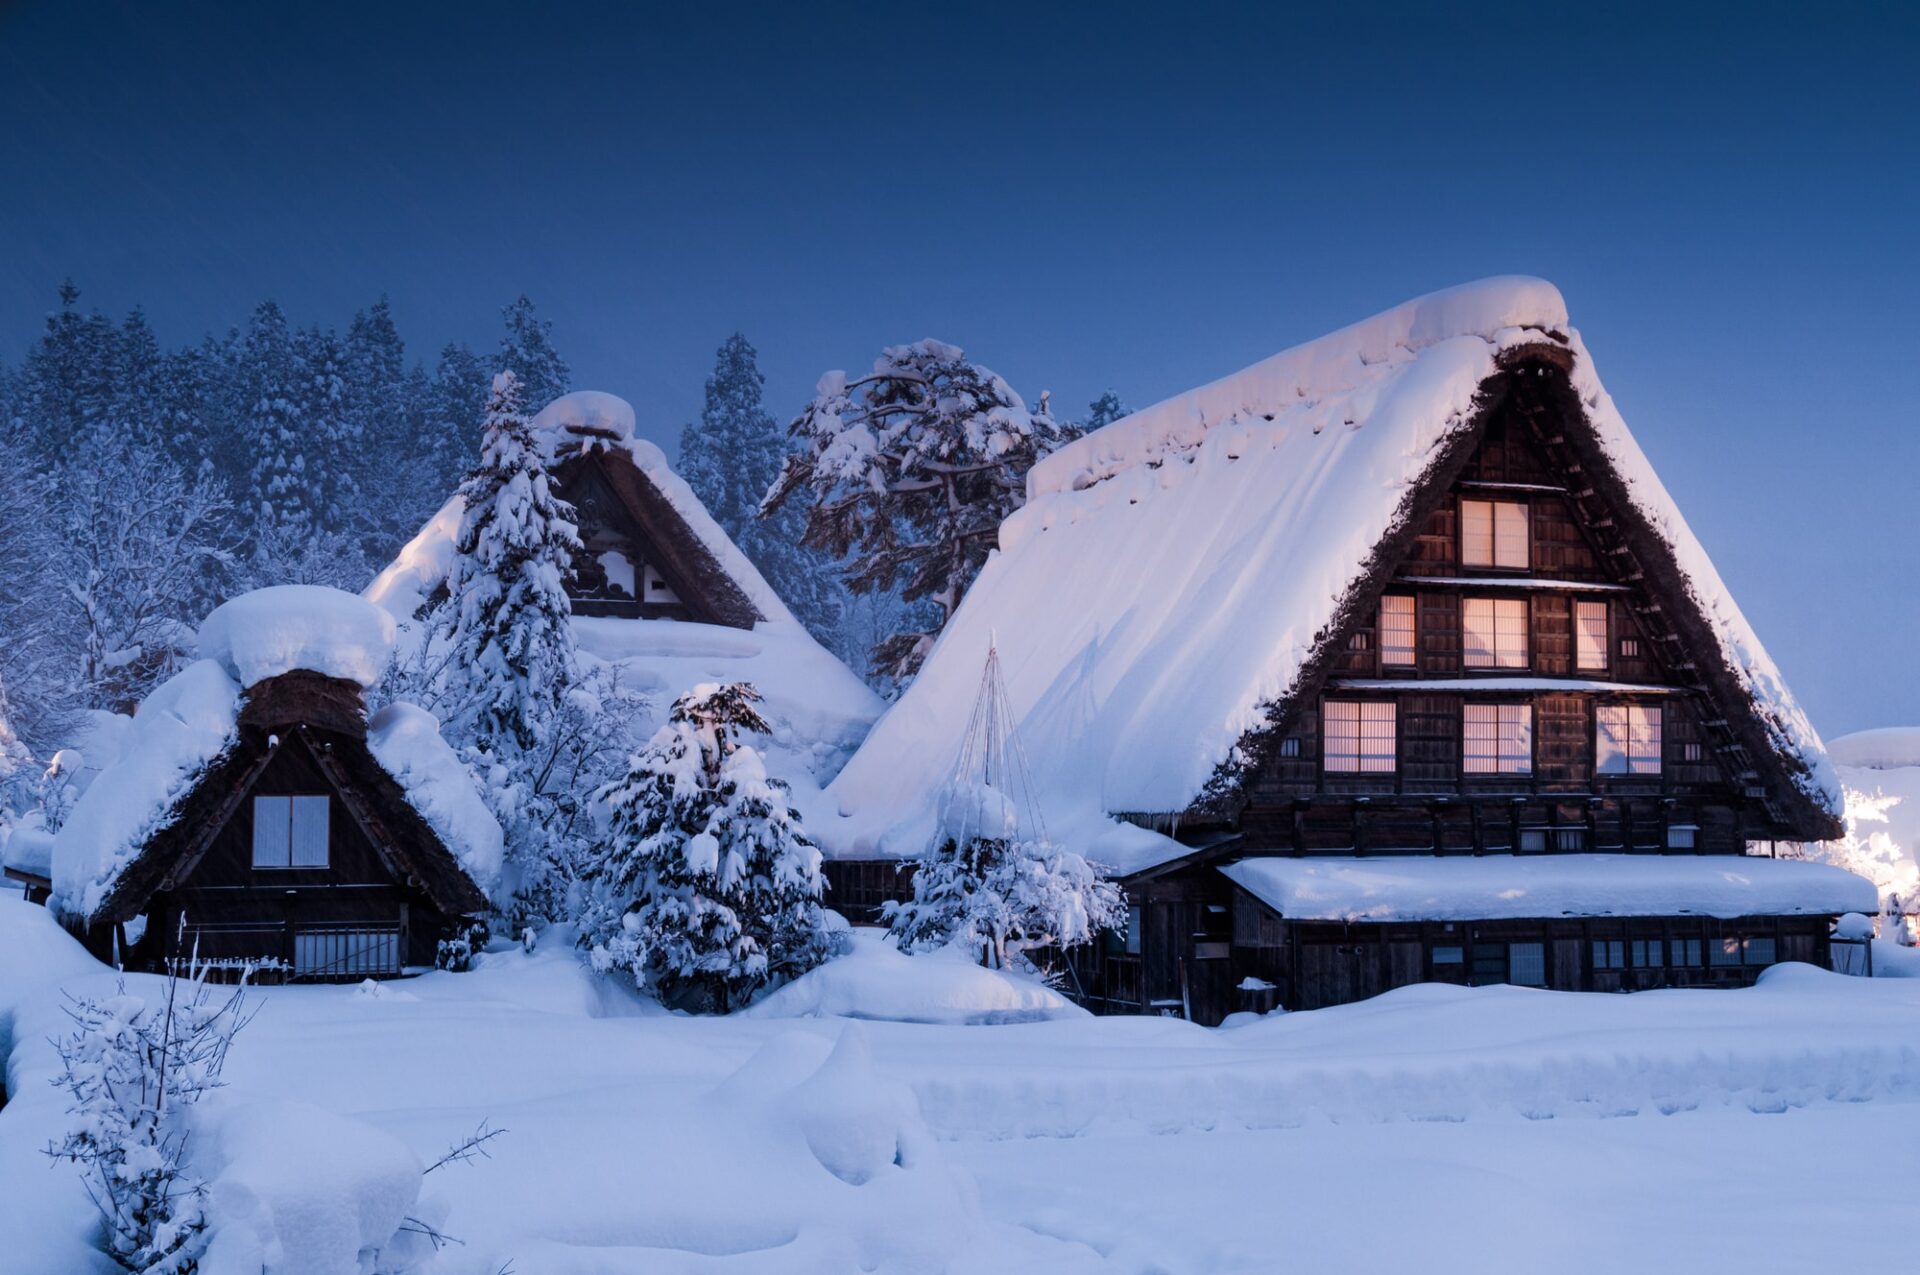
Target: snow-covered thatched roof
<point x="1174" y="576"/>
<point x="819" y="710"/>
<point x="191" y="727"/>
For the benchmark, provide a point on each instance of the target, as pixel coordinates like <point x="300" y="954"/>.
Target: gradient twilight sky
<point x="1137" y="196"/>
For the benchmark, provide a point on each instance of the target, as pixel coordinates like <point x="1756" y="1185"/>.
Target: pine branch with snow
<point x="707" y="888"/>
<point x="908" y="472"/>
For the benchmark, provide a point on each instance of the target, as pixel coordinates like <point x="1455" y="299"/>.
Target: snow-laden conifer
<point x="707" y="887"/>
<point x="504" y="634"/>
<point x="910" y="469"/>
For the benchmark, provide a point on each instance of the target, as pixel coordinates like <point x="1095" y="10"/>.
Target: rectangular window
<point x="1357" y="642"/>
<point x="1686" y="952"/>
<point x="1626" y="739"/>
<point x="1647" y="954"/>
<point x="1360" y="737"/>
<point x="345" y="953"/>
<point x="1681" y="836"/>
<point x="1449" y="955"/>
<point x="1609" y="954"/>
<point x="1527" y="964"/>
<point x="1570" y="838"/>
<point x="1590" y="635"/>
<point x="290" y="832"/>
<point x="1494" y="632"/>
<point x="1290" y="746"/>
<point x="1396" y="630"/>
<point x="1136" y="922"/>
<point x="1489" y="964"/>
<point x="1533" y="840"/>
<point x="1630" y="648"/>
<point x="1497" y="739"/>
<point x="1725" y="951"/>
<point x="1760" y="951"/>
<point x="1692" y="752"/>
<point x="1493" y="533"/>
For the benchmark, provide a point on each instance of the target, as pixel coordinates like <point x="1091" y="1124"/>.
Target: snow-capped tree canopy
<point x="706" y="887"/>
<point x="909" y="471"/>
<point x="730" y="459"/>
<point x="1104" y="411"/>
<point x="506" y="613"/>
<point x="527" y="351"/>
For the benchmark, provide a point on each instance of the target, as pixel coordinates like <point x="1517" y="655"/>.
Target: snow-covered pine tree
<point x="456" y="399"/>
<point x="505" y="634"/>
<point x="991" y="880"/>
<point x="706" y="887"/>
<point x="910" y="469"/>
<point x="1104" y="411"/>
<point x="730" y="459"/>
<point x="276" y="427"/>
<point x="527" y="351"/>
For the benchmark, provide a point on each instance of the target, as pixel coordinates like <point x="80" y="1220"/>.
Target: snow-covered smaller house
<point x="662" y="595"/>
<point x="256" y="814"/>
<point x="1388" y="659"/>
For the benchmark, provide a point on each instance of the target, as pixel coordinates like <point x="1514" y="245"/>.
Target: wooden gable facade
<point x="295" y="851"/>
<point x="1522" y="671"/>
<point x="639" y="558"/>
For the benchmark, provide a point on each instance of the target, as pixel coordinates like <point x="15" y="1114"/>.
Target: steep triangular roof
<point x="718" y="582"/>
<point x="1179" y="580"/>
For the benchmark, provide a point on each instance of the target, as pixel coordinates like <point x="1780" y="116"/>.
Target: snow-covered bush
<point x="909" y="471"/>
<point x="707" y="887"/>
<point x="1003" y="897"/>
<point x="133" y="1068"/>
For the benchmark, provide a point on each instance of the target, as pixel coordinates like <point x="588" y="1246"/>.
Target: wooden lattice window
<point x="1497" y="739"/>
<point x="1627" y="739"/>
<point x="1590" y="635"/>
<point x="1396" y="629"/>
<point x="1494" y="632"/>
<point x="290" y="832"/>
<point x="1361" y="736"/>
<point x="1493" y="533"/>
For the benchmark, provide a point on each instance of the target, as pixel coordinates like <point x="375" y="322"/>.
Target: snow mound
<point x="176" y="732"/>
<point x="1171" y="574"/>
<point x="405" y="739"/>
<point x="276" y="630"/>
<point x="1889" y="748"/>
<point x="874" y="980"/>
<point x="590" y="410"/>
<point x="295" y="1190"/>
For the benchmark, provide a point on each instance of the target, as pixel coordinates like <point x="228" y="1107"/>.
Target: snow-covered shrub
<point x="133" y="1068"/>
<point x="455" y="952"/>
<point x="909" y="471"/>
<point x="707" y="888"/>
<point x="1004" y="897"/>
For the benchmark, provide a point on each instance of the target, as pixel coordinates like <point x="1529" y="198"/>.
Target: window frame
<point x="290" y="842"/>
<point x="1331" y="760"/>
<point x="1496" y="523"/>
<point x="1496" y="651"/>
<point x="1635" y="734"/>
<point x="1499" y="757"/>
<point x="1411" y="628"/>
<point x="1602" y="651"/>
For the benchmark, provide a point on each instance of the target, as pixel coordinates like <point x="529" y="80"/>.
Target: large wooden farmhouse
<point x="256" y="816"/>
<point x="1386" y="660"/>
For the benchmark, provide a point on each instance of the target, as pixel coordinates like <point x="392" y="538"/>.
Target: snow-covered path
<point x="1762" y="1130"/>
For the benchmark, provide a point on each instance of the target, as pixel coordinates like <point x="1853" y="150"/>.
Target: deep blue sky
<point x="1143" y="197"/>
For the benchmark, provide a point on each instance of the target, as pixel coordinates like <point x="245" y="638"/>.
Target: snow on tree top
<point x="588" y="411"/>
<point x="276" y="630"/>
<point x="1171" y="573"/>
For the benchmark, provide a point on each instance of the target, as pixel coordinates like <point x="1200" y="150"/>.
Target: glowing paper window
<point x="1360" y="737"/>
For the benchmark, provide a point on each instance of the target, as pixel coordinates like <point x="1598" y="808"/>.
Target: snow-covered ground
<point x="1495" y="1129"/>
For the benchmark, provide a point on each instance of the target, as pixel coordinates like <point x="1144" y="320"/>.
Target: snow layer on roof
<point x="1508" y="887"/>
<point x="276" y="630"/>
<point x="405" y="739"/>
<point x="176" y="732"/>
<point x="1889" y="748"/>
<point x="819" y="710"/>
<point x="1171" y="573"/>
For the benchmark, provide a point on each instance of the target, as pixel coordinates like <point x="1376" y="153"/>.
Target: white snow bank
<point x="405" y="739"/>
<point x="1502" y="886"/>
<point x="276" y="630"/>
<point x="875" y="980"/>
<point x="180" y="728"/>
<point x="1171" y="573"/>
<point x="300" y="1191"/>
<point x="28" y="848"/>
<point x="1888" y="748"/>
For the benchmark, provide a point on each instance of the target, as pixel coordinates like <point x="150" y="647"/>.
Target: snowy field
<point x="1499" y="1129"/>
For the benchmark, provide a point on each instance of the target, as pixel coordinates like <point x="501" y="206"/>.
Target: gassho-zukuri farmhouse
<point x="1385" y="660"/>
